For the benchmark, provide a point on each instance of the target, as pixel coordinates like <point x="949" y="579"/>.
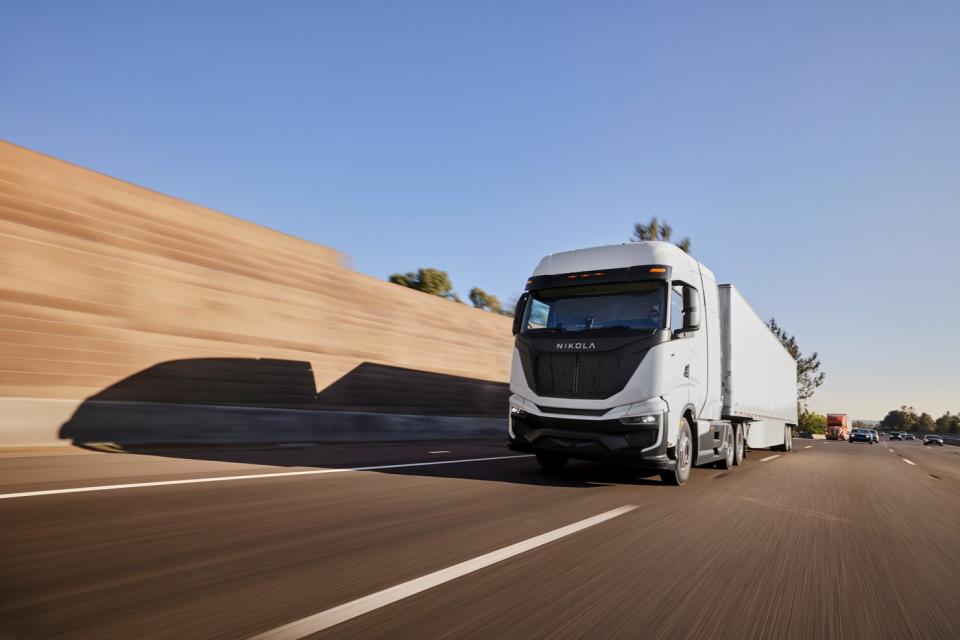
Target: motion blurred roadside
<point x="132" y="317"/>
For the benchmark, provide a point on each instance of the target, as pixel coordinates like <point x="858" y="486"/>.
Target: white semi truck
<point x="634" y="354"/>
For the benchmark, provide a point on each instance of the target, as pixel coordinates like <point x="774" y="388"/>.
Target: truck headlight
<point x="517" y="411"/>
<point x="649" y="419"/>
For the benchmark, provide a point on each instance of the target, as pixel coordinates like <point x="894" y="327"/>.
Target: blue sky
<point x="810" y="150"/>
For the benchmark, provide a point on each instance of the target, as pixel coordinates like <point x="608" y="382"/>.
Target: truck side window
<point x="539" y="314"/>
<point x="676" y="308"/>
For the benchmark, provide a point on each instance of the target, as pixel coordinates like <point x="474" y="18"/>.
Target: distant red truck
<point x="837" y="426"/>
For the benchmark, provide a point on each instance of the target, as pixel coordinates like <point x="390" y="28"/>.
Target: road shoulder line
<point x="252" y="476"/>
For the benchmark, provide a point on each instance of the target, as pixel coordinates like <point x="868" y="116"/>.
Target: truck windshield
<point x="626" y="305"/>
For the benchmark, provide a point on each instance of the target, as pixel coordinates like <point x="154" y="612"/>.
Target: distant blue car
<point x="860" y="435"/>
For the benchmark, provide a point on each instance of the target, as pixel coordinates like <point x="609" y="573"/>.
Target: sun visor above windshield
<point x="636" y="273"/>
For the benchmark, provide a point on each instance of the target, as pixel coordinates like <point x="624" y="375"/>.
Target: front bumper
<point x="599" y="440"/>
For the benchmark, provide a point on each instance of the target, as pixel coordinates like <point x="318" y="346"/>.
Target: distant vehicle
<point x="633" y="353"/>
<point x="932" y="440"/>
<point x="876" y="436"/>
<point x="860" y="435"/>
<point x="896" y="435"/>
<point x="837" y="426"/>
<point x="909" y="436"/>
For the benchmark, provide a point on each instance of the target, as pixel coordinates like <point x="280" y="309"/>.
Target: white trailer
<point x="633" y="354"/>
<point x="759" y="375"/>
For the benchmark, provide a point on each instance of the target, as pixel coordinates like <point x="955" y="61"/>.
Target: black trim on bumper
<point x="598" y="440"/>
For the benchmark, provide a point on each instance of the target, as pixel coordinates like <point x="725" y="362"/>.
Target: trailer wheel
<point x="684" y="452"/>
<point x="738" y="449"/>
<point x="551" y="460"/>
<point x="787" y="441"/>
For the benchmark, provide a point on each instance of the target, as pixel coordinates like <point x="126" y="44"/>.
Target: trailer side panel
<point x="759" y="375"/>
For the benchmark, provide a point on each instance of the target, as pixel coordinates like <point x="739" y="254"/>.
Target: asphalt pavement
<point x="467" y="540"/>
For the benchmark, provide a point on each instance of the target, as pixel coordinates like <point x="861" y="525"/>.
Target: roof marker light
<point x="657" y="270"/>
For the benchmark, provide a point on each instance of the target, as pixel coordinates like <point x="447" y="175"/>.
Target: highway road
<point x="831" y="540"/>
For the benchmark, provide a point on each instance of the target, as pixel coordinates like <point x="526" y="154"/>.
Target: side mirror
<point x="691" y="309"/>
<point x="518" y="312"/>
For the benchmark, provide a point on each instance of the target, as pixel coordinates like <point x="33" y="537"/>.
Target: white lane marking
<point x="908" y="462"/>
<point x="283" y="474"/>
<point x="809" y="446"/>
<point x="347" y="611"/>
<point x="769" y="458"/>
<point x="442" y="451"/>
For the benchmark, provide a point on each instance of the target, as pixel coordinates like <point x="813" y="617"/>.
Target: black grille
<point x="572" y="412"/>
<point x="579" y="375"/>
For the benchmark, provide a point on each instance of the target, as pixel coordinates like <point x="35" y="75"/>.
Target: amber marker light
<point x="658" y="270"/>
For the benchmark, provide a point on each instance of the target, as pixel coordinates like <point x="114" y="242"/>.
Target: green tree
<point x="946" y="423"/>
<point x="902" y="419"/>
<point x="483" y="300"/>
<point x="656" y="230"/>
<point x="925" y="423"/>
<point x="942" y="423"/>
<point x="429" y="280"/>
<point x="812" y="422"/>
<point x="809" y="376"/>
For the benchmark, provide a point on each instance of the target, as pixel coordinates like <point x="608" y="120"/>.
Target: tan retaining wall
<point x="107" y="288"/>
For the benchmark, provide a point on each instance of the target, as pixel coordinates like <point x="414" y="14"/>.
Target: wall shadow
<point x="262" y="382"/>
<point x="206" y="409"/>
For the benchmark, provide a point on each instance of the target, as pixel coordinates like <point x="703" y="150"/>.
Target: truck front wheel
<point x="551" y="460"/>
<point x="684" y="457"/>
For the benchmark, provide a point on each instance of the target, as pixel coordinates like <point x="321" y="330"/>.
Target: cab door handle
<point x="686" y="371"/>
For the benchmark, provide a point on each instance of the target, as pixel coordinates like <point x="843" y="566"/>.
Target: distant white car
<point x="932" y="439"/>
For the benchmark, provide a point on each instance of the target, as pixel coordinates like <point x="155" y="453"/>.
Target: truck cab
<point x="615" y="347"/>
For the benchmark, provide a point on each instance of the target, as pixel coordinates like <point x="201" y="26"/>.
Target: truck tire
<point x="787" y="441"/>
<point x="727" y="463"/>
<point x="739" y="449"/>
<point x="684" y="452"/>
<point x="551" y="460"/>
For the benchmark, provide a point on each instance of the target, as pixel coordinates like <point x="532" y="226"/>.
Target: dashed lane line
<point x="347" y="611"/>
<point x="769" y="458"/>
<point x="910" y="463"/>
